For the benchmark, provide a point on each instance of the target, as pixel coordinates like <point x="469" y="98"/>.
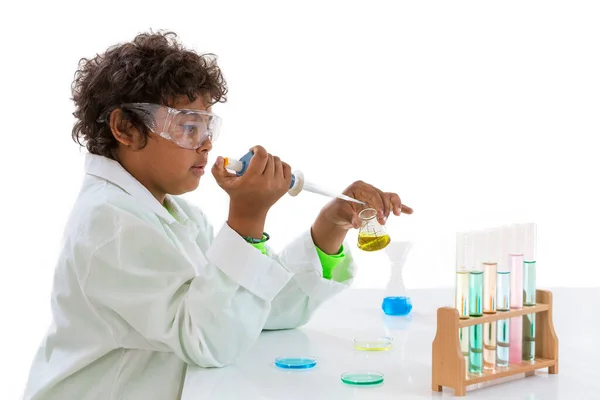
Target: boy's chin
<point x="189" y="186"/>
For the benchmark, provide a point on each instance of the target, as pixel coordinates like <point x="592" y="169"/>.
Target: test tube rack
<point x="449" y="366"/>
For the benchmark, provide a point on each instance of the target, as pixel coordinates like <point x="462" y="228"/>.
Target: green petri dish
<point x="362" y="378"/>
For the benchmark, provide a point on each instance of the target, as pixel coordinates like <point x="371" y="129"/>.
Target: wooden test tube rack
<point x="448" y="367"/>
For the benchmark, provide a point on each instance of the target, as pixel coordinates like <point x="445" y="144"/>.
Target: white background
<point x="477" y="113"/>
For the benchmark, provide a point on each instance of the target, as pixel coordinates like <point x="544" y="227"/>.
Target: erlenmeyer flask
<point x="372" y="236"/>
<point x="397" y="301"/>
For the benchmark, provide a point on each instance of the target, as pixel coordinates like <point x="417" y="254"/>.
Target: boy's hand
<point x="345" y="213"/>
<point x="339" y="216"/>
<point x="251" y="195"/>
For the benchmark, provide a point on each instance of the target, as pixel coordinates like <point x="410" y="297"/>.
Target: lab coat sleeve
<point x="142" y="283"/>
<point x="307" y="290"/>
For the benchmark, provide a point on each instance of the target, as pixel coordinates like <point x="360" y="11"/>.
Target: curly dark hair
<point x="153" y="68"/>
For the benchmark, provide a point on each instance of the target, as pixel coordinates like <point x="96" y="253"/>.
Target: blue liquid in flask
<point x="396" y="301"/>
<point x="397" y="305"/>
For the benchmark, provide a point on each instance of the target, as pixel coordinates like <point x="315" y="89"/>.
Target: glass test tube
<point x="503" y="302"/>
<point x="475" y="293"/>
<point x="489" y="345"/>
<point x="461" y="301"/>
<point x="475" y="277"/>
<point x="516" y="293"/>
<point x="476" y="349"/>
<point x="490" y="270"/>
<point x="475" y="306"/>
<point x="529" y="291"/>
<point x="503" y="341"/>
<point x="528" y="337"/>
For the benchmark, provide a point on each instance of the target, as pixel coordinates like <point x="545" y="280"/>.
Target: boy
<point x="143" y="287"/>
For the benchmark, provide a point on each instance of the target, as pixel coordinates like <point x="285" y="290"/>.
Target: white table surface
<point x="407" y="367"/>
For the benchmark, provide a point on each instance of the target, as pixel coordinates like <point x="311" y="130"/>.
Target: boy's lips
<point x="198" y="169"/>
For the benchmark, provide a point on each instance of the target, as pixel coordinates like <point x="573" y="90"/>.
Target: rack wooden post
<point x="448" y="364"/>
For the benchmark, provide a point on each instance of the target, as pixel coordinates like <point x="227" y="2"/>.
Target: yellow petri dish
<point x="383" y="343"/>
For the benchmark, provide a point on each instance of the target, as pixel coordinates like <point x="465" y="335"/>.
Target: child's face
<point x="162" y="166"/>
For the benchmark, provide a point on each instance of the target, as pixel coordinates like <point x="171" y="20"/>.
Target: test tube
<point x="516" y="292"/>
<point x="462" y="290"/>
<point x="503" y="300"/>
<point x="476" y="349"/>
<point x="475" y="305"/>
<point x="489" y="345"/>
<point x="476" y="276"/>
<point x="490" y="270"/>
<point x="462" y="276"/>
<point x="529" y="283"/>
<point x="529" y="290"/>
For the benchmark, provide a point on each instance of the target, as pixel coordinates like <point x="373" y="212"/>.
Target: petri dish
<point x="295" y="362"/>
<point x="382" y="343"/>
<point x="362" y="378"/>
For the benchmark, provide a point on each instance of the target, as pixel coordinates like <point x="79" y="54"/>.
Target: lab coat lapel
<point x="186" y="230"/>
<point x="112" y="171"/>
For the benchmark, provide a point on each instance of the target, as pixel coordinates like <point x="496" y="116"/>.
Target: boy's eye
<point x="189" y="129"/>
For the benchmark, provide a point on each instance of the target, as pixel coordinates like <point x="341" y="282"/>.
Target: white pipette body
<point x="298" y="183"/>
<point x="311" y="187"/>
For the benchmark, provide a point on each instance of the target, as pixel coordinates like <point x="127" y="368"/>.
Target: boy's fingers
<point x="397" y="206"/>
<point x="355" y="220"/>
<point x="396" y="203"/>
<point x="387" y="205"/>
<point x="379" y="201"/>
<point x="258" y="162"/>
<point x="406" y="209"/>
<point x="270" y="167"/>
<point x="222" y="176"/>
<point x="287" y="171"/>
<point x="278" y="167"/>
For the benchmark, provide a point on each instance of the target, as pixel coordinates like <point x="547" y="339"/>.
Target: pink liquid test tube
<point x="516" y="247"/>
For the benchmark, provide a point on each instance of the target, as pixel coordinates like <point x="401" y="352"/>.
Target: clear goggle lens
<point x="186" y="128"/>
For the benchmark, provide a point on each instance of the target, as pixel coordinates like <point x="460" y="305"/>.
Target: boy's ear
<point x="121" y="128"/>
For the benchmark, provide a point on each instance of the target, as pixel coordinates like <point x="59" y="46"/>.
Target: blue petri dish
<point x="295" y="362"/>
<point x="397" y="305"/>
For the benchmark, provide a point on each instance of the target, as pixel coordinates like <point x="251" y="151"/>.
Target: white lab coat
<point x="139" y="294"/>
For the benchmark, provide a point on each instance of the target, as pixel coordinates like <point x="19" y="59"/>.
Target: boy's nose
<point x="206" y="146"/>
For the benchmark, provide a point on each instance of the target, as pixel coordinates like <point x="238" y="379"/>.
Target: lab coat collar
<point x="176" y="211"/>
<point x="111" y="171"/>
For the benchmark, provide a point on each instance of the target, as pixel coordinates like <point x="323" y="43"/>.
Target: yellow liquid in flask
<point x="370" y="242"/>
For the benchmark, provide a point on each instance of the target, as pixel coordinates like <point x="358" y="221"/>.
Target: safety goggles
<point x="186" y="128"/>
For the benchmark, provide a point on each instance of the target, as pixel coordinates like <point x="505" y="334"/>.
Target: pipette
<point x="297" y="185"/>
<point x="311" y="187"/>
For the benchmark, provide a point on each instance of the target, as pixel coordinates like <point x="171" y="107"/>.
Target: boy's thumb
<point x="355" y="221"/>
<point x="219" y="171"/>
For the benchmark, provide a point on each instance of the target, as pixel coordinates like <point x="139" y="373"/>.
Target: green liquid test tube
<point x="529" y="337"/>
<point x="476" y="349"/>
<point x="529" y="284"/>
<point x="529" y="292"/>
<point x="475" y="308"/>
<point x="503" y="343"/>
<point x="503" y="300"/>
<point x="476" y="293"/>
